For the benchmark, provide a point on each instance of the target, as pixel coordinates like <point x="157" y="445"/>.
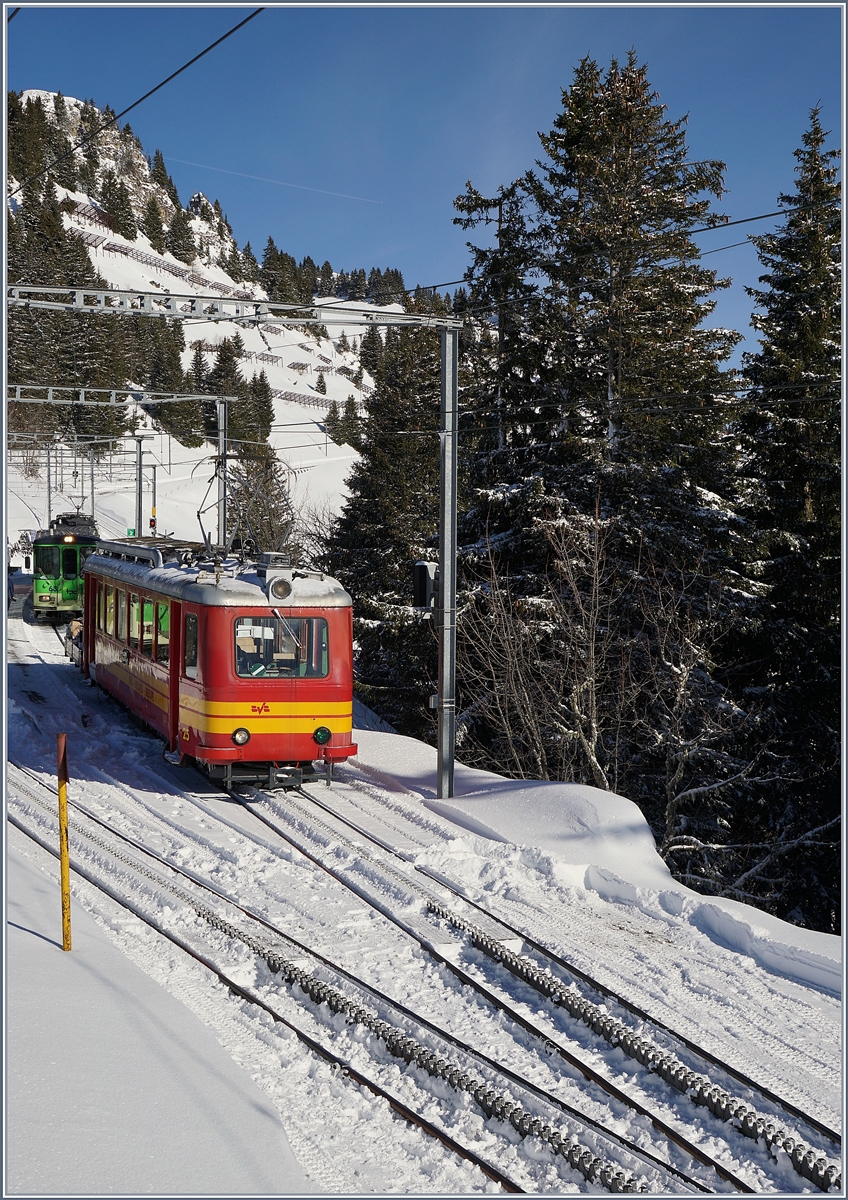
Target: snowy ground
<point x="573" y="866"/>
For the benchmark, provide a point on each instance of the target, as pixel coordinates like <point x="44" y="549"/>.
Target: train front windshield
<point x="46" y="562"/>
<point x="282" y="647"/>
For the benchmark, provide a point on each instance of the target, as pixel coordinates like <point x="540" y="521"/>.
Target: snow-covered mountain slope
<point x="292" y="360"/>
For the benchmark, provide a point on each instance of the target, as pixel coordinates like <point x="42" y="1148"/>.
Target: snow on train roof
<point x="234" y="585"/>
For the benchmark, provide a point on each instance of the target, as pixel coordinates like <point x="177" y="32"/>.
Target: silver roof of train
<point x="231" y="585"/>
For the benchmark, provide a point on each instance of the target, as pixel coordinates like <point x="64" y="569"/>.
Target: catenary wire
<point x="431" y="287"/>
<point x="90" y="137"/>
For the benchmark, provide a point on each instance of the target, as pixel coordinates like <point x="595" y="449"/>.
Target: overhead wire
<point x="96" y="133"/>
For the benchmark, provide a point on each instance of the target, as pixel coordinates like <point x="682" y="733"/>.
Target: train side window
<point x="163" y="632"/>
<point x="69" y="562"/>
<point x="147" y="627"/>
<point x="120" y="614"/>
<point x="135" y="621"/>
<point x="110" y="610"/>
<point x="190" y="656"/>
<point x="100" y="606"/>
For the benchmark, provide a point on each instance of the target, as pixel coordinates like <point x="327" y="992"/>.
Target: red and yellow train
<point x="245" y="668"/>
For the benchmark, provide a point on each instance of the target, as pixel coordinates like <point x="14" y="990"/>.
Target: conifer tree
<point x="307" y="279"/>
<point x="326" y="281"/>
<point x="232" y="264"/>
<point x="180" y="239"/>
<point x="387" y="523"/>
<point x="333" y="425"/>
<point x="321" y="384"/>
<point x="197" y="370"/>
<point x="160" y="175"/>
<point x="116" y="200"/>
<point x="351" y="424"/>
<point x="601" y="404"/>
<point x="357" y="285"/>
<point x="261" y="407"/>
<point x="249" y="265"/>
<point x="152" y="227"/>
<point x="371" y="349"/>
<point x="225" y="379"/>
<point x="791" y="438"/>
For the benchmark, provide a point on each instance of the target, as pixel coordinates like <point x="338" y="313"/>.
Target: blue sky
<point x="399" y="106"/>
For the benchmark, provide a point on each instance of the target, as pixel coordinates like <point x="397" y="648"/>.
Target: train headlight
<point x="322" y="735"/>
<point x="241" y="737"/>
<point x="281" y="589"/>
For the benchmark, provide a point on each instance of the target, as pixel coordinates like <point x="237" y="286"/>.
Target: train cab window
<point x="84" y="552"/>
<point x="69" y="562"/>
<point x="135" y="621"/>
<point x="120" y="614"/>
<point x="282" y="647"/>
<point x="190" y="653"/>
<point x="110" y="611"/>
<point x="147" y="627"/>
<point x="46" y="562"/>
<point x="163" y="632"/>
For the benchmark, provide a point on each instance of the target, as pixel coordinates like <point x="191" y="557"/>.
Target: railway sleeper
<point x="806" y="1161"/>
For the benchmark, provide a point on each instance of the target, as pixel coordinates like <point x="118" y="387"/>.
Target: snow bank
<point x="113" y="1086"/>
<point x="584" y="837"/>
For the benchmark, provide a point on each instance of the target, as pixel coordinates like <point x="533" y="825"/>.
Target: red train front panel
<point x="258" y="686"/>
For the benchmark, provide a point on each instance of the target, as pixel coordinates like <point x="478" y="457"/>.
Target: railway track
<point x="541" y="974"/>
<point x="376" y="864"/>
<point x="810" y="1161"/>
<point x="429" y="1051"/>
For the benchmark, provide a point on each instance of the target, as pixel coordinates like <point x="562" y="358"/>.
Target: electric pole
<point x="447" y="565"/>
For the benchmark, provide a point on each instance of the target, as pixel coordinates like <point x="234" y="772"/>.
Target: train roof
<point x="82" y="527"/>
<point x="57" y="536"/>
<point x="178" y="572"/>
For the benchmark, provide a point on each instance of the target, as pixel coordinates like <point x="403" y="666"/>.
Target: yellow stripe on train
<point x="265" y="708"/>
<point x="266" y="725"/>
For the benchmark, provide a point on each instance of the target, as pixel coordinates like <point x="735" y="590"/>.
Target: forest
<point x="650" y="538"/>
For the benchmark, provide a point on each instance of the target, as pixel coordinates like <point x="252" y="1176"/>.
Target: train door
<point x="169" y="655"/>
<point x="69" y="583"/>
<point x="189" y="683"/>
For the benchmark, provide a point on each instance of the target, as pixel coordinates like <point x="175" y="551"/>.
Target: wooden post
<point x="64" y="858"/>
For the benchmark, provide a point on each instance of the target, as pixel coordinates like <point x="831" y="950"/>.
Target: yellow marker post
<point x="64" y="856"/>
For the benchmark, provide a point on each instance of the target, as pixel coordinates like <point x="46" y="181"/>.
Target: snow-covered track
<point x="551" y="959"/>
<point x="497" y="1002"/>
<point x="806" y="1160"/>
<point x="144" y="800"/>
<point x="584" y="1159"/>
<point x="347" y="1069"/>
<point x="811" y="1163"/>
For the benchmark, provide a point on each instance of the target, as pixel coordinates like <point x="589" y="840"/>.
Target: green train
<point x="60" y="554"/>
